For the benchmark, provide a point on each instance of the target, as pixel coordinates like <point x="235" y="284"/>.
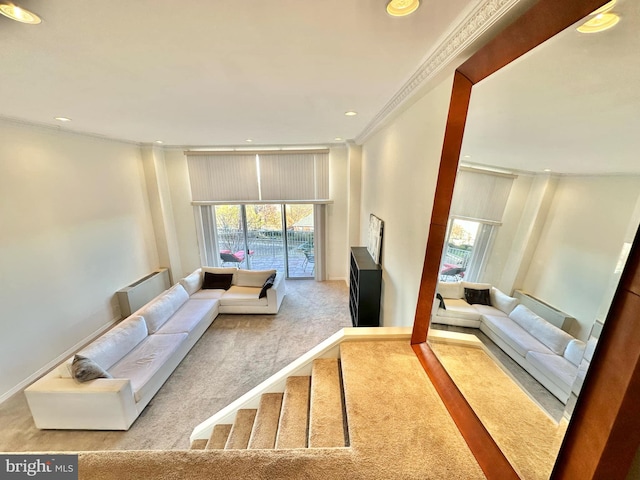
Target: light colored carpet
<point x="234" y="355"/>
<point x="326" y="422"/>
<point x="529" y="438"/>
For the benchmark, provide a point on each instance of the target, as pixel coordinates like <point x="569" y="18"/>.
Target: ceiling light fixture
<point x="248" y="140"/>
<point x="401" y="8"/>
<point x="547" y="170"/>
<point x="159" y="142"/>
<point x="350" y="113"/>
<point x="19" y="14"/>
<point x="338" y="139"/>
<point x="601" y="19"/>
<point x="599" y="23"/>
<point x="62" y="119"/>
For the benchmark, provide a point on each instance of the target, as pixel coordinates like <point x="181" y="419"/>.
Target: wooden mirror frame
<point x="604" y="432"/>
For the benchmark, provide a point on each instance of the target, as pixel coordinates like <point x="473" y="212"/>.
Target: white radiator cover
<point x="140" y="292"/>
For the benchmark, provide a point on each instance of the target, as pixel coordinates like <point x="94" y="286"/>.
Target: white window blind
<point x="259" y="176"/>
<point x="302" y="176"/>
<point x="223" y="177"/>
<point x="481" y="195"/>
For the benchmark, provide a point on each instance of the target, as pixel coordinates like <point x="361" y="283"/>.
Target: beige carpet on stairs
<point x="398" y="426"/>
<point x="326" y="420"/>
<point x="529" y="438"/>
<point x="294" y="420"/>
<point x="265" y="426"/>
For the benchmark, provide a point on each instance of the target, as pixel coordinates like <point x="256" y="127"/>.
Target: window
<point x="465" y="251"/>
<point x="478" y="203"/>
<point x="260" y="237"/>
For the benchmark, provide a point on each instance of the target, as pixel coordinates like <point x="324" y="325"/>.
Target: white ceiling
<point x="572" y="105"/>
<point x="281" y="72"/>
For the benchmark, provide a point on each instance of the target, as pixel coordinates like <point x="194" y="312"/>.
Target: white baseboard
<point x="56" y="361"/>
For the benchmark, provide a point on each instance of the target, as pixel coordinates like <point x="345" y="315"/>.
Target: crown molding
<point x="458" y="38"/>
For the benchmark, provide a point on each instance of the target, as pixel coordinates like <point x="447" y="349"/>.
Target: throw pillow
<point x="84" y="369"/>
<point x="268" y="283"/>
<point x="478" y="297"/>
<point x="442" y="305"/>
<point x="217" y="281"/>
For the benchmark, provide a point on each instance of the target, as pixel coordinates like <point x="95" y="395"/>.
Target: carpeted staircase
<point x="310" y="413"/>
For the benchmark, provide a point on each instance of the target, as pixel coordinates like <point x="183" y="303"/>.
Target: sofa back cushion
<point x="523" y="317"/>
<point x="109" y="348"/>
<point x="160" y="309"/>
<point x="502" y="301"/>
<point x="252" y="278"/>
<point x="192" y="282"/>
<point x="450" y="289"/>
<point x="551" y="336"/>
<point x="575" y="351"/>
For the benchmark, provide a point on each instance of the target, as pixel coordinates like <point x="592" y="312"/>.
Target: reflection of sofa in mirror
<point x="551" y="355"/>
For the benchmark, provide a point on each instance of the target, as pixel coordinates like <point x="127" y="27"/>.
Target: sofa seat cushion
<point x="558" y="369"/>
<point x="146" y="359"/>
<point x="208" y="294"/>
<point x="458" y="308"/>
<point x="111" y="347"/>
<point x="161" y="308"/>
<point x="189" y="316"/>
<point x="514" y="335"/>
<point x="237" y="295"/>
<point x="489" y="310"/>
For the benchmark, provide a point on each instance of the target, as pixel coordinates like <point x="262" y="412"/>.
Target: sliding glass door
<point x="260" y="237"/>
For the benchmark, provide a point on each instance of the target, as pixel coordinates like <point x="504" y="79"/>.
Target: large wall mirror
<point x="545" y="208"/>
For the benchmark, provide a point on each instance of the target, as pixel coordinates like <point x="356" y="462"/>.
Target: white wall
<point x="338" y="215"/>
<point x="581" y="242"/>
<point x="74" y="228"/>
<point x="183" y="216"/>
<point x="399" y="173"/>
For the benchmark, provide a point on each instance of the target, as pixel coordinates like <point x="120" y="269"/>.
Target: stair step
<point x="326" y="418"/>
<point x="199" y="444"/>
<point x="219" y="437"/>
<point x="294" y="419"/>
<point x="265" y="426"/>
<point x="241" y="429"/>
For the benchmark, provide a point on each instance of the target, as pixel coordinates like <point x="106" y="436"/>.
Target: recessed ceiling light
<point x="547" y="170"/>
<point x="19" y="14"/>
<point x="248" y="140"/>
<point x="338" y="139"/>
<point x="350" y="113"/>
<point x="401" y="8"/>
<point x="159" y="141"/>
<point x="467" y="156"/>
<point x="599" y="23"/>
<point x="63" y="119"/>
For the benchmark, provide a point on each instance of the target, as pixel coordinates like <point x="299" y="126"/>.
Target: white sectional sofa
<point x="141" y="352"/>
<point x="548" y="353"/>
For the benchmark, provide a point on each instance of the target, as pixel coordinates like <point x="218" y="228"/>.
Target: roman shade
<point x="265" y="176"/>
<point x="223" y="177"/>
<point x="481" y="195"/>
